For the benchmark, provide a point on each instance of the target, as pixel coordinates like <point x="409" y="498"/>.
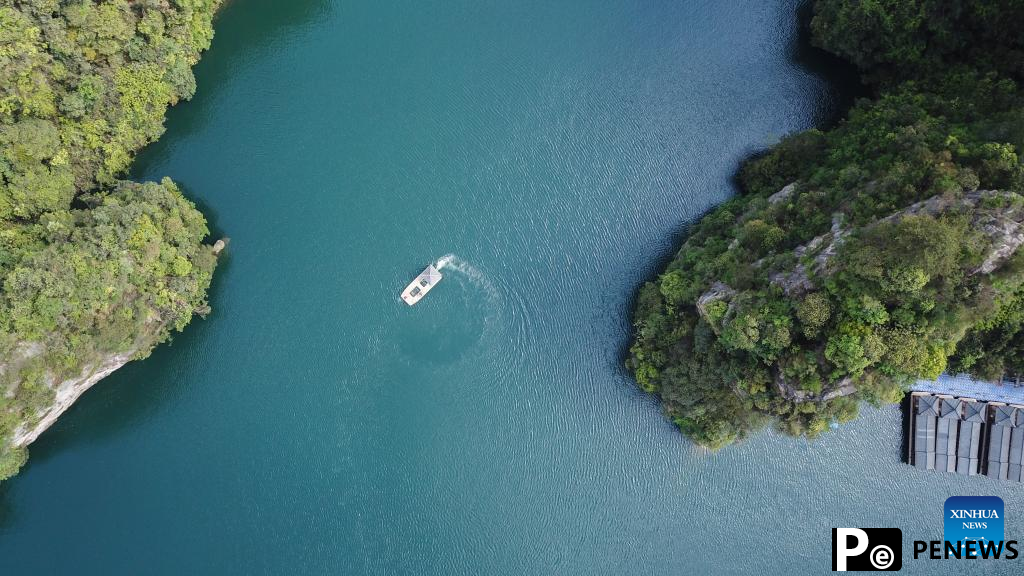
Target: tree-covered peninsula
<point x="93" y="270"/>
<point x="858" y="259"/>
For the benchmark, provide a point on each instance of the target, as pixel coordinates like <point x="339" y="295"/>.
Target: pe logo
<point x="871" y="549"/>
<point x="973" y="518"/>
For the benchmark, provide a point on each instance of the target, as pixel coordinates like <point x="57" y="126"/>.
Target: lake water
<point x="314" y="424"/>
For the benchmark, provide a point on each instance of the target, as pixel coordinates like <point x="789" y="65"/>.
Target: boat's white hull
<point x="422" y="284"/>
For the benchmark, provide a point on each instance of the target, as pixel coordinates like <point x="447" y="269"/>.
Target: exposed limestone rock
<point x="998" y="215"/>
<point x="836" y="237"/>
<point x="718" y="291"/>
<point x="1004" y="227"/>
<point x="797" y="281"/>
<point x="838" y="389"/>
<point x="784" y="194"/>
<point x="794" y="283"/>
<point x="843" y="388"/>
<point x="23" y="352"/>
<point x="66" y="392"/>
<point x="941" y="203"/>
<point x="220" y="245"/>
<point x="1007" y="236"/>
<point x="1001" y="225"/>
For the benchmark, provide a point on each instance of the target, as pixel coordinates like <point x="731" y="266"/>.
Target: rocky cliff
<point x="66" y="392"/>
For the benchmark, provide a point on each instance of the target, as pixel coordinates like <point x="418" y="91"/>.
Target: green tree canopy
<point x="860" y="258"/>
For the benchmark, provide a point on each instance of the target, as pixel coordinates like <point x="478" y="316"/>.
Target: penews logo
<point x="874" y="549"/>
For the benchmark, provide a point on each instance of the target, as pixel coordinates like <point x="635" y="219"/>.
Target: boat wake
<point x="453" y="262"/>
<point x="481" y="317"/>
<point x="507" y="325"/>
<point x="444" y="261"/>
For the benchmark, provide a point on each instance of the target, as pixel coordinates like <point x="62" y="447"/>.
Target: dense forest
<point x="90" y="266"/>
<point x="858" y="259"/>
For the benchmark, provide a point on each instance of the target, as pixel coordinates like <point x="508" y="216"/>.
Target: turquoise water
<point x="314" y="424"/>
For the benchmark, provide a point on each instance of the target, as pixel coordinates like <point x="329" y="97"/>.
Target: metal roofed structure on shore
<point x="1008" y="390"/>
<point x="956" y="426"/>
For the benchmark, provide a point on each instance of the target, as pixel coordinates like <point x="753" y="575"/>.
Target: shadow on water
<point x="7" y="511"/>
<point x="212" y="219"/>
<point x="129" y="394"/>
<point x="905" y="432"/>
<point x="841" y="77"/>
<point x="124" y="398"/>
<point x="843" y="88"/>
<point x="241" y="29"/>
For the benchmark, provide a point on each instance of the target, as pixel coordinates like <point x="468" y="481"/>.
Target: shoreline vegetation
<point x="858" y="259"/>
<point x="94" y="270"/>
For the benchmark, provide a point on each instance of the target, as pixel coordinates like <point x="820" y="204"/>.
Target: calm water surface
<point x="314" y="424"/>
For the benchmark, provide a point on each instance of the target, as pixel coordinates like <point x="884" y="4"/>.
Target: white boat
<point x="422" y="284"/>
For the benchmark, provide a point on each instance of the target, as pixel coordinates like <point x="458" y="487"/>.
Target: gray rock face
<point x="67" y="392"/>
<point x="718" y="291"/>
<point x="1003" y="226"/>
<point x="784" y="194"/>
<point x="843" y="387"/>
<point x="797" y="282"/>
<point x="1006" y="237"/>
<point x="22" y="353"/>
<point x="220" y="245"/>
<point x="998" y="215"/>
<point x="836" y="237"/>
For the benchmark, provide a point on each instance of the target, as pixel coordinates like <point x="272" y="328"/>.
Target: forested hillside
<point x="858" y="259"/>
<point x="90" y="266"/>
